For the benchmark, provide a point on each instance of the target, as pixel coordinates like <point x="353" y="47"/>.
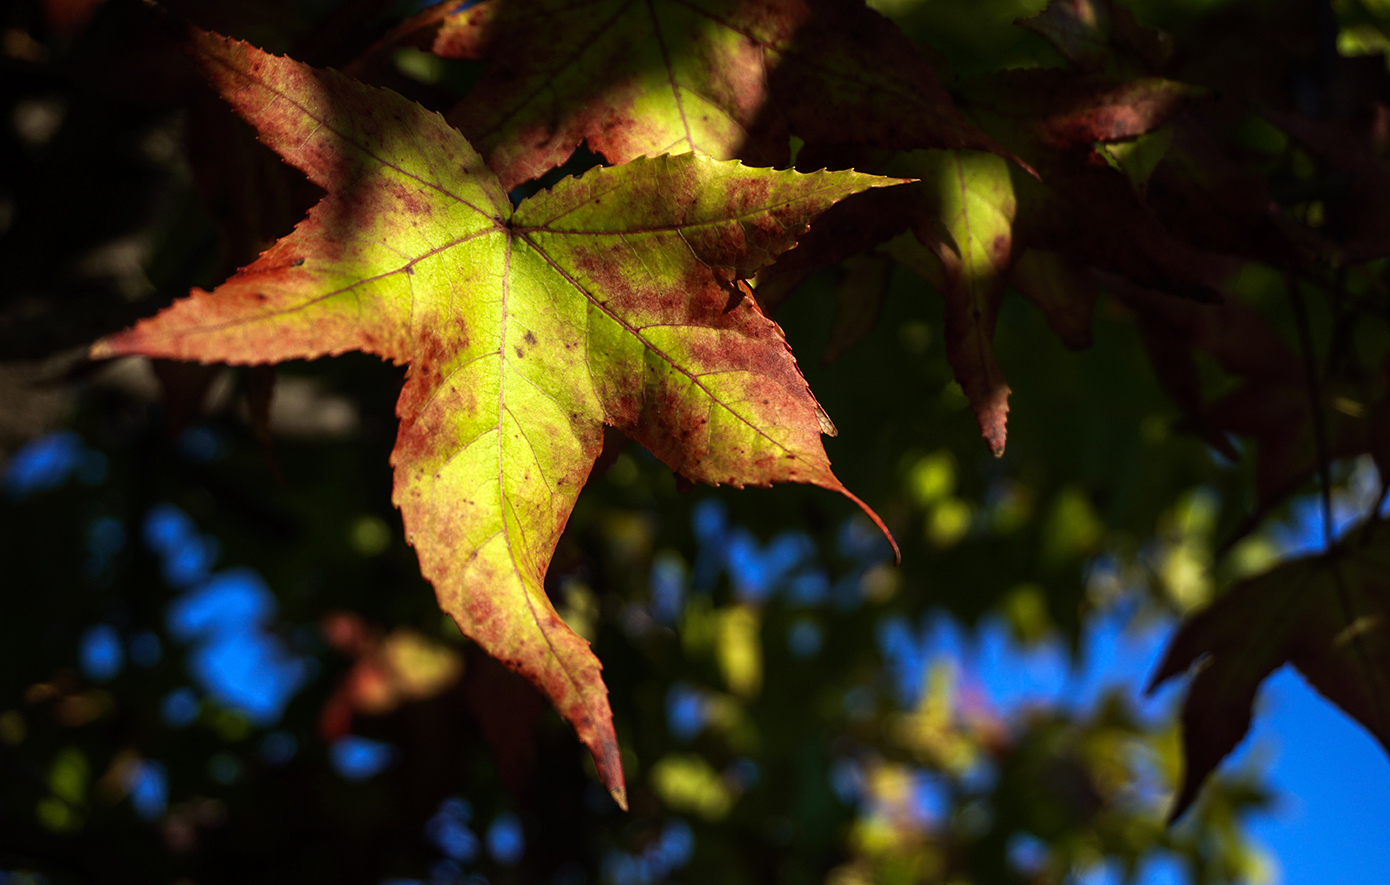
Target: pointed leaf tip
<point x="878" y="521"/>
<point x="608" y="759"/>
<point x="966" y="220"/>
<point x="619" y="794"/>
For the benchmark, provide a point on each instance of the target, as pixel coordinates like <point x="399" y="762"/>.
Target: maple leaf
<point x="1270" y="406"/>
<point x="960" y="218"/>
<point x="725" y="77"/>
<point x="1365" y="230"/>
<point x="966" y="221"/>
<point x="612" y="299"/>
<point x="1080" y="206"/>
<point x="1076" y="111"/>
<point x="1328" y="615"/>
<point x="1204" y="189"/>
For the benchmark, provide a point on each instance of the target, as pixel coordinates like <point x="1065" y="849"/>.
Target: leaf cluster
<point x="587" y="237"/>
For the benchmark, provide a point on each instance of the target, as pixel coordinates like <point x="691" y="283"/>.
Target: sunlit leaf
<point x="615" y="299"/>
<point x="729" y="78"/>
<point x="968" y="208"/>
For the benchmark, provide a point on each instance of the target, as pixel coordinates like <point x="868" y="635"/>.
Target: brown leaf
<point x="858" y="300"/>
<point x="1269" y="408"/>
<point x="1327" y="615"/>
<point x="1364" y="229"/>
<point x="1099" y="35"/>
<point x="1206" y="188"/>
<point x="184" y="389"/>
<point x="260" y="393"/>
<point x="1064" y="292"/>
<point x="508" y="711"/>
<point x="1068" y="110"/>
<point x="1082" y="207"/>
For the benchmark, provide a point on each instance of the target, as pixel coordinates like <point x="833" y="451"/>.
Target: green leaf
<point x="1327" y="615"/>
<point x="613" y="299"/>
<point x="728" y="78"/>
<point x="966" y="219"/>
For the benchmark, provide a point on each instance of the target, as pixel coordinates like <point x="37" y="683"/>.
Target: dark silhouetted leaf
<point x="1327" y="615"/>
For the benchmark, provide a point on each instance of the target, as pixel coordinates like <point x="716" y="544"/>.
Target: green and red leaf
<point x="616" y="299"/>
<point x="729" y="78"/>
<point x="964" y="219"/>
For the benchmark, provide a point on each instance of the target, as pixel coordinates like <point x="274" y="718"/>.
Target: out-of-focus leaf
<point x="1082" y="207"/>
<point x="1064" y="292"/>
<point x="1098" y="35"/>
<point x="858" y="300"/>
<point x="1069" y="110"/>
<point x="388" y="671"/>
<point x="507" y="710"/>
<point x="69" y="18"/>
<point x="184" y="390"/>
<point x="1206" y="188"/>
<point x="1364" y="232"/>
<point x="1271" y="405"/>
<point x="1092" y="215"/>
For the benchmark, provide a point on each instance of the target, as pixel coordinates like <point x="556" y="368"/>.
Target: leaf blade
<point x="970" y="205"/>
<point x="730" y="79"/>
<point x="525" y="333"/>
<point x="1328" y="615"/>
<point x="343" y="250"/>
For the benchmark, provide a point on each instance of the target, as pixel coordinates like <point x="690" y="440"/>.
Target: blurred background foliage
<point x="222" y="665"/>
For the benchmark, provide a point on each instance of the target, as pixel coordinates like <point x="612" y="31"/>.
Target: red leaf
<point x="729" y="78"/>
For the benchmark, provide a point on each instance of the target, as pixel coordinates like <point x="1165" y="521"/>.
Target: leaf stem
<point x="1320" y="443"/>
